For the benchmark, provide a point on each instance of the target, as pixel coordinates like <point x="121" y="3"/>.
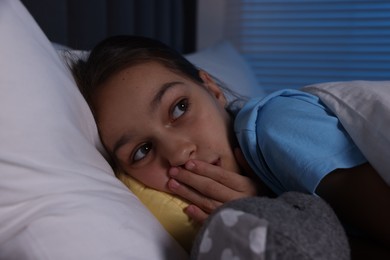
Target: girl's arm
<point x="361" y="199"/>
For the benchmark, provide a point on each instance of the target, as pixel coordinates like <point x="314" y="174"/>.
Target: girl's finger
<point x="233" y="180"/>
<point x="204" y="191"/>
<point x="205" y="203"/>
<point x="196" y="214"/>
<point x="209" y="188"/>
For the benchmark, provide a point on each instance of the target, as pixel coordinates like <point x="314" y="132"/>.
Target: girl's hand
<point x="207" y="187"/>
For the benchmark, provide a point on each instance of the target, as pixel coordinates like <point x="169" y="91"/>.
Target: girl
<point x="169" y="125"/>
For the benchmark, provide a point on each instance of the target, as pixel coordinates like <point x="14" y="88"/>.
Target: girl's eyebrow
<point x="124" y="139"/>
<point x="156" y="101"/>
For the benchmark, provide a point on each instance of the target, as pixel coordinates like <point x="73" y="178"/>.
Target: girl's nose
<point x="178" y="151"/>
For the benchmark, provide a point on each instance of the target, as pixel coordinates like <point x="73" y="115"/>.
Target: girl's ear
<point x="213" y="87"/>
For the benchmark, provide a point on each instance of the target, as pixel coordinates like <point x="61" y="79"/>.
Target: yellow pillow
<point x="167" y="208"/>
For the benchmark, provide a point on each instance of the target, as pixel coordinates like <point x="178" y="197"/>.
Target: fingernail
<point x="190" y="165"/>
<point x="190" y="210"/>
<point x="174" y="171"/>
<point x="173" y="184"/>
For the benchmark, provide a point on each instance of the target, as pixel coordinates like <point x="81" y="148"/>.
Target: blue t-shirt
<point x="292" y="141"/>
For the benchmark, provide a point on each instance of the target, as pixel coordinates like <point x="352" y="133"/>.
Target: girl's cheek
<point x="153" y="176"/>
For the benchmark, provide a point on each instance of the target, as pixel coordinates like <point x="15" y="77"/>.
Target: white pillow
<point x="223" y="61"/>
<point x="363" y="108"/>
<point x="59" y="198"/>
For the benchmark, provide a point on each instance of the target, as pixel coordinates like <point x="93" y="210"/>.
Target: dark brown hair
<point x="116" y="53"/>
<point x="119" y="52"/>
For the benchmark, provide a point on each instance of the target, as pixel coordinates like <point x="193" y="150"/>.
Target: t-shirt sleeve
<point x="302" y="141"/>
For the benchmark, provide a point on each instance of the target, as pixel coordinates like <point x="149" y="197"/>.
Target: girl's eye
<point x="179" y="109"/>
<point x="141" y="152"/>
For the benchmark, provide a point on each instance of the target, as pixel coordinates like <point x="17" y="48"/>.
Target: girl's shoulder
<point x="285" y="98"/>
<point x="278" y="106"/>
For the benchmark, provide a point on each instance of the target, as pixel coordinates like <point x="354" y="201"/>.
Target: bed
<point x="60" y="198"/>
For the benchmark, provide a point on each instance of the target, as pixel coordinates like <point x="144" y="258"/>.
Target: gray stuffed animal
<point x="291" y="226"/>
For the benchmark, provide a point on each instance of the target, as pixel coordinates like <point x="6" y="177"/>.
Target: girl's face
<point x="151" y="119"/>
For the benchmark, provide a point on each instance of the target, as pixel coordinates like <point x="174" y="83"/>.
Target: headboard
<point x="81" y="24"/>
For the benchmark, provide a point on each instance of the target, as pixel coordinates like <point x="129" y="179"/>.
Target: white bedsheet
<point x="363" y="108"/>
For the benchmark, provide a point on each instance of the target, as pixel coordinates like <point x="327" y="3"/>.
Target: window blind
<point x="293" y="43"/>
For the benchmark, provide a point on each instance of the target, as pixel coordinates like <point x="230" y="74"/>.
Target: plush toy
<point x="291" y="226"/>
